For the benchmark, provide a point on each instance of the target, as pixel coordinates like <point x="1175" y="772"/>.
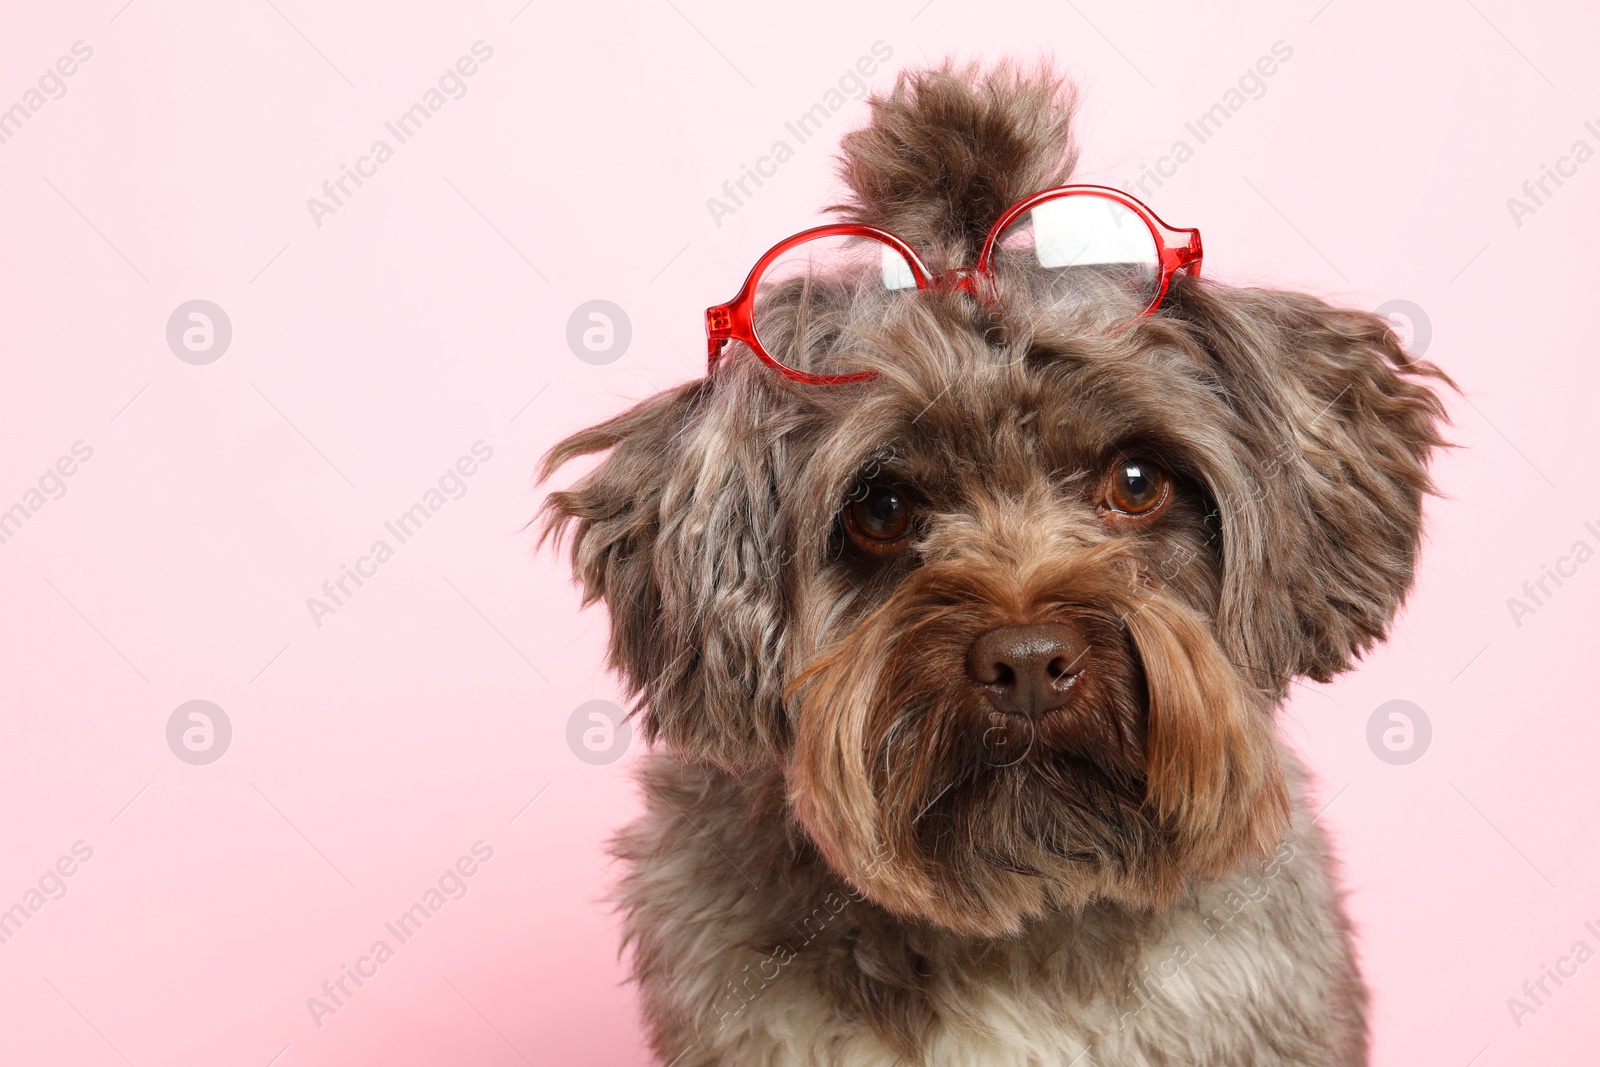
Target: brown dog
<point x="962" y="677"/>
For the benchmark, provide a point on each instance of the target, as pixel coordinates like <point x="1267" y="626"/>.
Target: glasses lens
<point x="811" y="297"/>
<point x="1081" y="247"/>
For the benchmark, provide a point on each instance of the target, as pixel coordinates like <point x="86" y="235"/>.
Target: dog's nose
<point x="1028" y="670"/>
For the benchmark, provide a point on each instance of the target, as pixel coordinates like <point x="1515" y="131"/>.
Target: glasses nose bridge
<point x="958" y="280"/>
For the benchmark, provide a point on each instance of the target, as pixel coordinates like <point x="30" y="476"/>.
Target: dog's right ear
<point x="1337" y="424"/>
<point x="676" y="530"/>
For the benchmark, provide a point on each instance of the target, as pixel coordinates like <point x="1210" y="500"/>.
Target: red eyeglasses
<point x="1072" y="243"/>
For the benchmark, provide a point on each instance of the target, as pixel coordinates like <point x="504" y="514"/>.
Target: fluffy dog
<point x="962" y="679"/>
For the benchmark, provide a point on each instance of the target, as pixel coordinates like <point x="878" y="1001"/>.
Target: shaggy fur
<point x="850" y="856"/>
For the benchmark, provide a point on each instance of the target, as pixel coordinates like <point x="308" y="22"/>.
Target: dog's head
<point x="1012" y="617"/>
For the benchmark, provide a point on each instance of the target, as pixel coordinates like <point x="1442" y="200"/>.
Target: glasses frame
<point x="1177" y="248"/>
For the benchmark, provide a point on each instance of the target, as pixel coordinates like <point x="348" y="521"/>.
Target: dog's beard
<point x="1160" y="768"/>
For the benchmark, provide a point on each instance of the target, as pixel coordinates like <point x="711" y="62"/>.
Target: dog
<point x="957" y="614"/>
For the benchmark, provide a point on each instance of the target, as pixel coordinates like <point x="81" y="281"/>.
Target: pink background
<point x="430" y="312"/>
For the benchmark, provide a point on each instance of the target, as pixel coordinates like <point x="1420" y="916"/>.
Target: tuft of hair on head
<point x="950" y="148"/>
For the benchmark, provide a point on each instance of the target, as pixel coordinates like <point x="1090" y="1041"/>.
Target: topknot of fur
<point x="949" y="149"/>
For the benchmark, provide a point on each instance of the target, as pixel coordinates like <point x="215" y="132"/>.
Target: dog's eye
<point x="1138" y="487"/>
<point x="878" y="517"/>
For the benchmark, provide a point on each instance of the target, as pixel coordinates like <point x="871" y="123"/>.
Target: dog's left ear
<point x="676" y="530"/>
<point x="1337" y="424"/>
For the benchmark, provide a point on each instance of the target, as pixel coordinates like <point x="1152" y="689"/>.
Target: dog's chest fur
<point x="748" y="950"/>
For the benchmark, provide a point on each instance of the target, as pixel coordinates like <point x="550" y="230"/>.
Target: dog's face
<point x="1011" y="618"/>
